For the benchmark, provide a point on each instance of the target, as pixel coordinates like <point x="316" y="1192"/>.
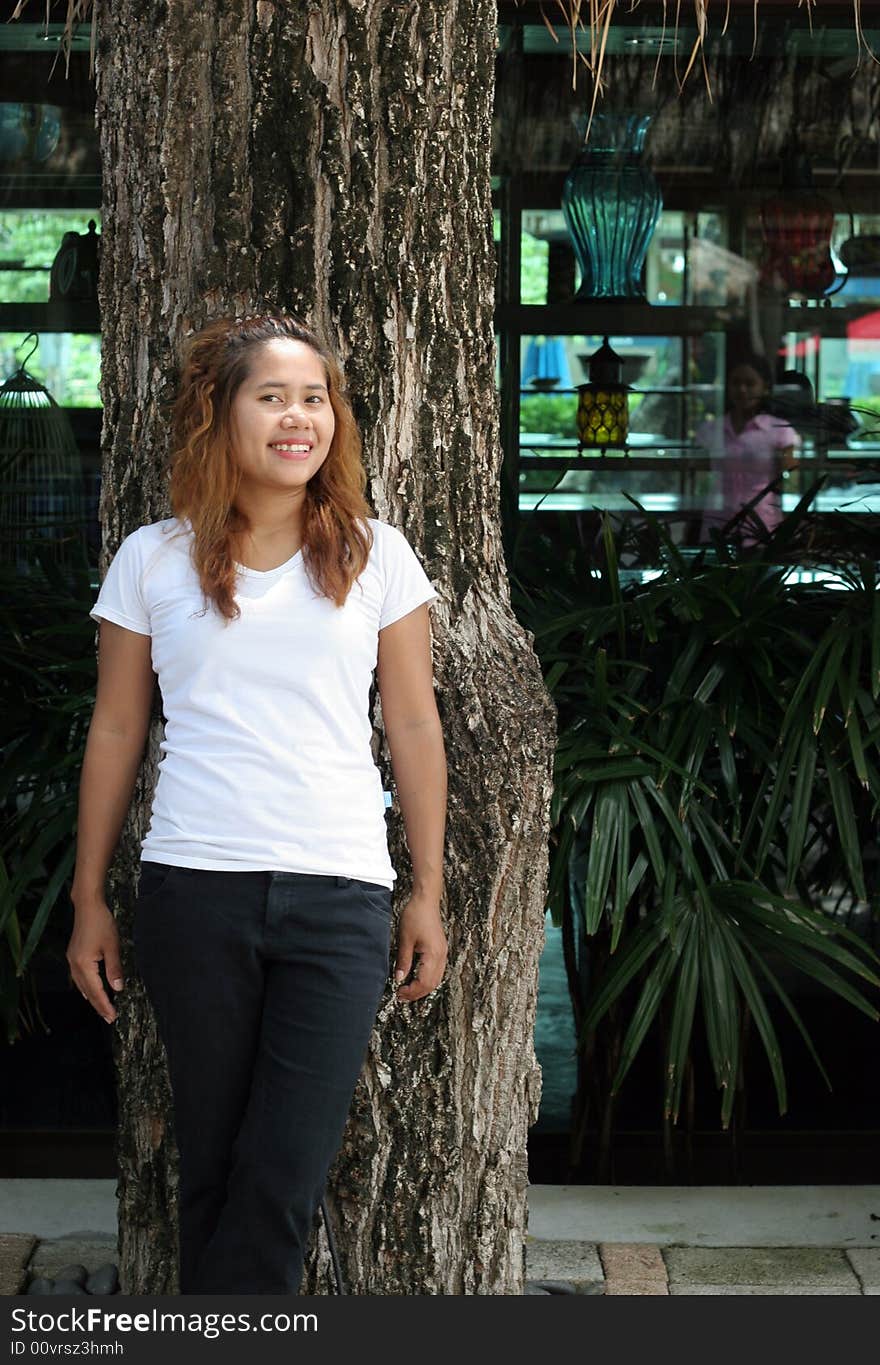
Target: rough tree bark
<point x="334" y="158"/>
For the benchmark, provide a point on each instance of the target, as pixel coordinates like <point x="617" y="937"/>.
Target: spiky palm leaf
<point x="717" y="773"/>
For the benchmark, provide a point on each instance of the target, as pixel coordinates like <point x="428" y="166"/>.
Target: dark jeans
<point x="265" y="987"/>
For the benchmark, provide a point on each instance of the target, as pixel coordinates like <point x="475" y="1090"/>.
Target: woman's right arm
<point x="114" y="748"/>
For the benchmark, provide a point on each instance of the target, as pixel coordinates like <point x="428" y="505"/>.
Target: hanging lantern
<point x="41" y="494"/>
<point x="797" y="225"/>
<point x="603" y="412"/>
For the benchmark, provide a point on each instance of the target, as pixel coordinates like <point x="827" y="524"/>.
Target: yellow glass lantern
<point x="603" y="411"/>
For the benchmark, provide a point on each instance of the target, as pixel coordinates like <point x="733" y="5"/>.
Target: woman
<point x="750" y="448"/>
<point x="263" y="917"/>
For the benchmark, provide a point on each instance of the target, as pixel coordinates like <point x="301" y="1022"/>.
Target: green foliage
<point x="717" y="783"/>
<point x="534" y="254"/>
<point x="552" y="414"/>
<point x="47" y="663"/>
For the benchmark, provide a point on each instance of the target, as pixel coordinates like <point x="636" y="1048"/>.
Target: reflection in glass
<point x="751" y="448"/>
<point x="28" y="132"/>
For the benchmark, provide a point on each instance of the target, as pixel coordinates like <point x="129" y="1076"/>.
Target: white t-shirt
<point x="266" y="761"/>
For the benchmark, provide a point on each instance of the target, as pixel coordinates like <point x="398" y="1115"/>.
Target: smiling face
<point x="281" y="419"/>
<point x="746" y="390"/>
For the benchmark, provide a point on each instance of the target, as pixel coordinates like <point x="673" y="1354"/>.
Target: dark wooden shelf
<point x="698" y="189"/>
<point x="50" y="317"/>
<point x="631" y="388"/>
<point x="646" y="319"/>
<point x="42" y="196"/>
<point x="624" y="459"/>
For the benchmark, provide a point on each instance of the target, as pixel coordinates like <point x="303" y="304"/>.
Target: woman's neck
<point x="274" y="531"/>
<point x="739" y="420"/>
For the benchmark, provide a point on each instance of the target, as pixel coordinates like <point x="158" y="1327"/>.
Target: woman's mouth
<point x="292" y="450"/>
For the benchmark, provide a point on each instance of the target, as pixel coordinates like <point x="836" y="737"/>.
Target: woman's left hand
<point x="420" y="933"/>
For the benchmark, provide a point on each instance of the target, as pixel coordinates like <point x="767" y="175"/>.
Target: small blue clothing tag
<point x="387" y="796"/>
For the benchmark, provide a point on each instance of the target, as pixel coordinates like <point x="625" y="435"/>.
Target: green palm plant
<point x="48" y="667"/>
<point x="716" y="781"/>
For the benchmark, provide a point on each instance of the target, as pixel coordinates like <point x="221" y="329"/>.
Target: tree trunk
<point x="333" y="158"/>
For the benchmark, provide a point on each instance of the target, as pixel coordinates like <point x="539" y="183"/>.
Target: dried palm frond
<point x="596" y="16"/>
<point x="78" y="12"/>
<point x="576" y="15"/>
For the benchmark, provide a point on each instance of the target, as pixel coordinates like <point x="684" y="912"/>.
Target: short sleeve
<point x="710" y="435"/>
<point x="783" y="435"/>
<point x="406" y="585"/>
<point x="121" y="597"/>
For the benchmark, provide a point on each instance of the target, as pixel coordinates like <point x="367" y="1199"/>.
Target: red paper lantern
<point x="797" y="240"/>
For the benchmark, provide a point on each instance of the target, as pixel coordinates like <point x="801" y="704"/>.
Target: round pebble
<point x="77" y="1273"/>
<point x="105" y="1280"/>
<point x="554" y="1286"/>
<point x="67" y="1287"/>
<point x="40" y="1285"/>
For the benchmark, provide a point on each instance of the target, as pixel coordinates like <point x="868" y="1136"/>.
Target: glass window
<point x="29" y="243"/>
<point x="67" y="364"/>
<point x="748" y="330"/>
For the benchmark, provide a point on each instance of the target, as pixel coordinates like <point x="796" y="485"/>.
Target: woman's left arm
<point x="418" y="759"/>
<point x="787" y="444"/>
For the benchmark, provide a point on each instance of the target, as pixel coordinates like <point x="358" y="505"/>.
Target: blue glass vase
<point x="611" y="204"/>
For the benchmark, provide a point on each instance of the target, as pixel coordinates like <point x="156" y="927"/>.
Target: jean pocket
<point x="374" y="896"/>
<point x="154" y="878"/>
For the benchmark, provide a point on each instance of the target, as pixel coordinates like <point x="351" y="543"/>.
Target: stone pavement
<point x="582" y="1239"/>
<point x="634" y="1268"/>
<point x="759" y="1239"/>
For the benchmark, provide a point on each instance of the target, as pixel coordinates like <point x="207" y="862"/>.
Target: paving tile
<point x="15" y="1250"/>
<point x="576" y="1263"/>
<point x="866" y="1263"/>
<point x="822" y="1269"/>
<point x="618" y="1287"/>
<point x="632" y="1261"/>
<point x="751" y="1289"/>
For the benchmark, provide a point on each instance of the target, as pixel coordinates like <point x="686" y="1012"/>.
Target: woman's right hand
<point x="113" y="752"/>
<point x="95" y="939"/>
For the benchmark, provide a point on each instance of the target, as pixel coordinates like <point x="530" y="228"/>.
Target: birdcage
<point x="41" y="493"/>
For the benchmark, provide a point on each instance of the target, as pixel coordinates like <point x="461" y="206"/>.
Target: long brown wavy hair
<point x="205" y="477"/>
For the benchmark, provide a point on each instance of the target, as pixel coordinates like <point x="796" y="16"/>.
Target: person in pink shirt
<point x="749" y="447"/>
